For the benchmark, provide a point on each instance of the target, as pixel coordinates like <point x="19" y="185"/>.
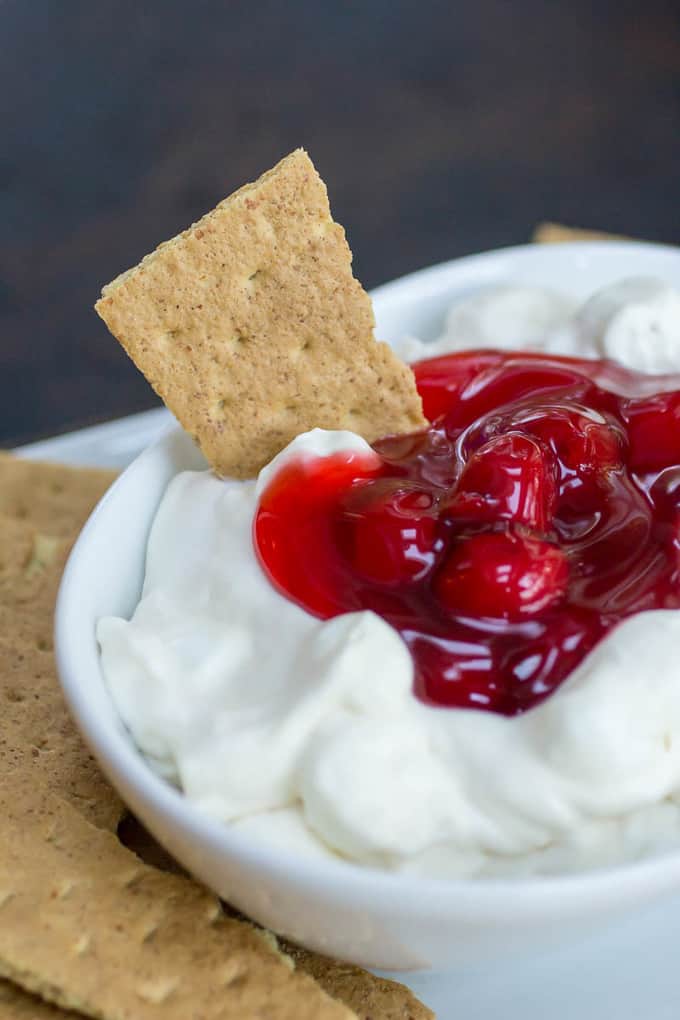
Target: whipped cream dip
<point x="307" y="734"/>
<point x="635" y="321"/>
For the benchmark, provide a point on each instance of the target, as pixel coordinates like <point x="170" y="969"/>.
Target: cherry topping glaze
<point x="540" y="508"/>
<point x="505" y="575"/>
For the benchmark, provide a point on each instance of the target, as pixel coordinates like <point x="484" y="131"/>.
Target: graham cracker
<point x="555" y="233"/>
<point x="16" y="1004"/>
<point x="42" y="507"/>
<point x="371" y="998"/>
<point x="37" y="732"/>
<point x="86" y="925"/>
<point x="55" y="499"/>
<point x="31" y="563"/>
<point x="42" y="756"/>
<point x="252" y="328"/>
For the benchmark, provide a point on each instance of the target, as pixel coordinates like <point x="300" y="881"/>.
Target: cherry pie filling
<point x="540" y="509"/>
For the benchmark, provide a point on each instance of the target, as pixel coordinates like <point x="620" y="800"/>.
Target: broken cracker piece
<point x="42" y="507"/>
<point x="31" y="563"/>
<point x="54" y="498"/>
<point x="555" y="233"/>
<point x="371" y="997"/>
<point x="86" y="925"/>
<point x="38" y="734"/>
<point x="252" y="329"/>
<point x="16" y="1004"/>
<point x="38" y="738"/>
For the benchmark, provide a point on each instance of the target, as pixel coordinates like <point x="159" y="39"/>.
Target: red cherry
<point x="388" y="532"/>
<point x="515" y="379"/>
<point x="587" y="442"/>
<point x="665" y="493"/>
<point x="469" y="681"/>
<point x="442" y="381"/>
<point x="509" y="478"/>
<point x="654" y="431"/>
<point x="502" y="574"/>
<point x="581" y="440"/>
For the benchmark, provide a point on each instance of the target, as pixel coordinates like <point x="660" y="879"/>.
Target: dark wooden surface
<point x="440" y="127"/>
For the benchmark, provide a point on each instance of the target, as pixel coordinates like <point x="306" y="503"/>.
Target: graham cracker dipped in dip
<point x="252" y="328"/>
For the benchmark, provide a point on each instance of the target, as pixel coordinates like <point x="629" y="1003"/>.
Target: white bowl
<point x="372" y="918"/>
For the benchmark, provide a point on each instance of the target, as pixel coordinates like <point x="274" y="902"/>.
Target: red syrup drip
<point x="540" y="508"/>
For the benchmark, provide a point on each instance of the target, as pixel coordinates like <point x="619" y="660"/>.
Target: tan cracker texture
<point x="38" y="736"/>
<point x="55" y="499"/>
<point x="42" y="508"/>
<point x="252" y="329"/>
<point x="86" y="925"/>
<point x="555" y="233"/>
<point x="370" y="997"/>
<point x="16" y="1004"/>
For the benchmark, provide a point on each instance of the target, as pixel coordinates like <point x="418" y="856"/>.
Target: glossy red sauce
<point x="540" y="508"/>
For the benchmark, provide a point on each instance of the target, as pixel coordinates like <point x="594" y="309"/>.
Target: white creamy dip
<point x="635" y="321"/>
<point x="307" y="734"/>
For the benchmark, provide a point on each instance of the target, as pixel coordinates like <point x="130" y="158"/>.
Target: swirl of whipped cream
<point x="635" y="321"/>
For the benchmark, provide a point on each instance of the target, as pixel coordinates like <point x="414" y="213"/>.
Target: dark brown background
<point x="440" y="128"/>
